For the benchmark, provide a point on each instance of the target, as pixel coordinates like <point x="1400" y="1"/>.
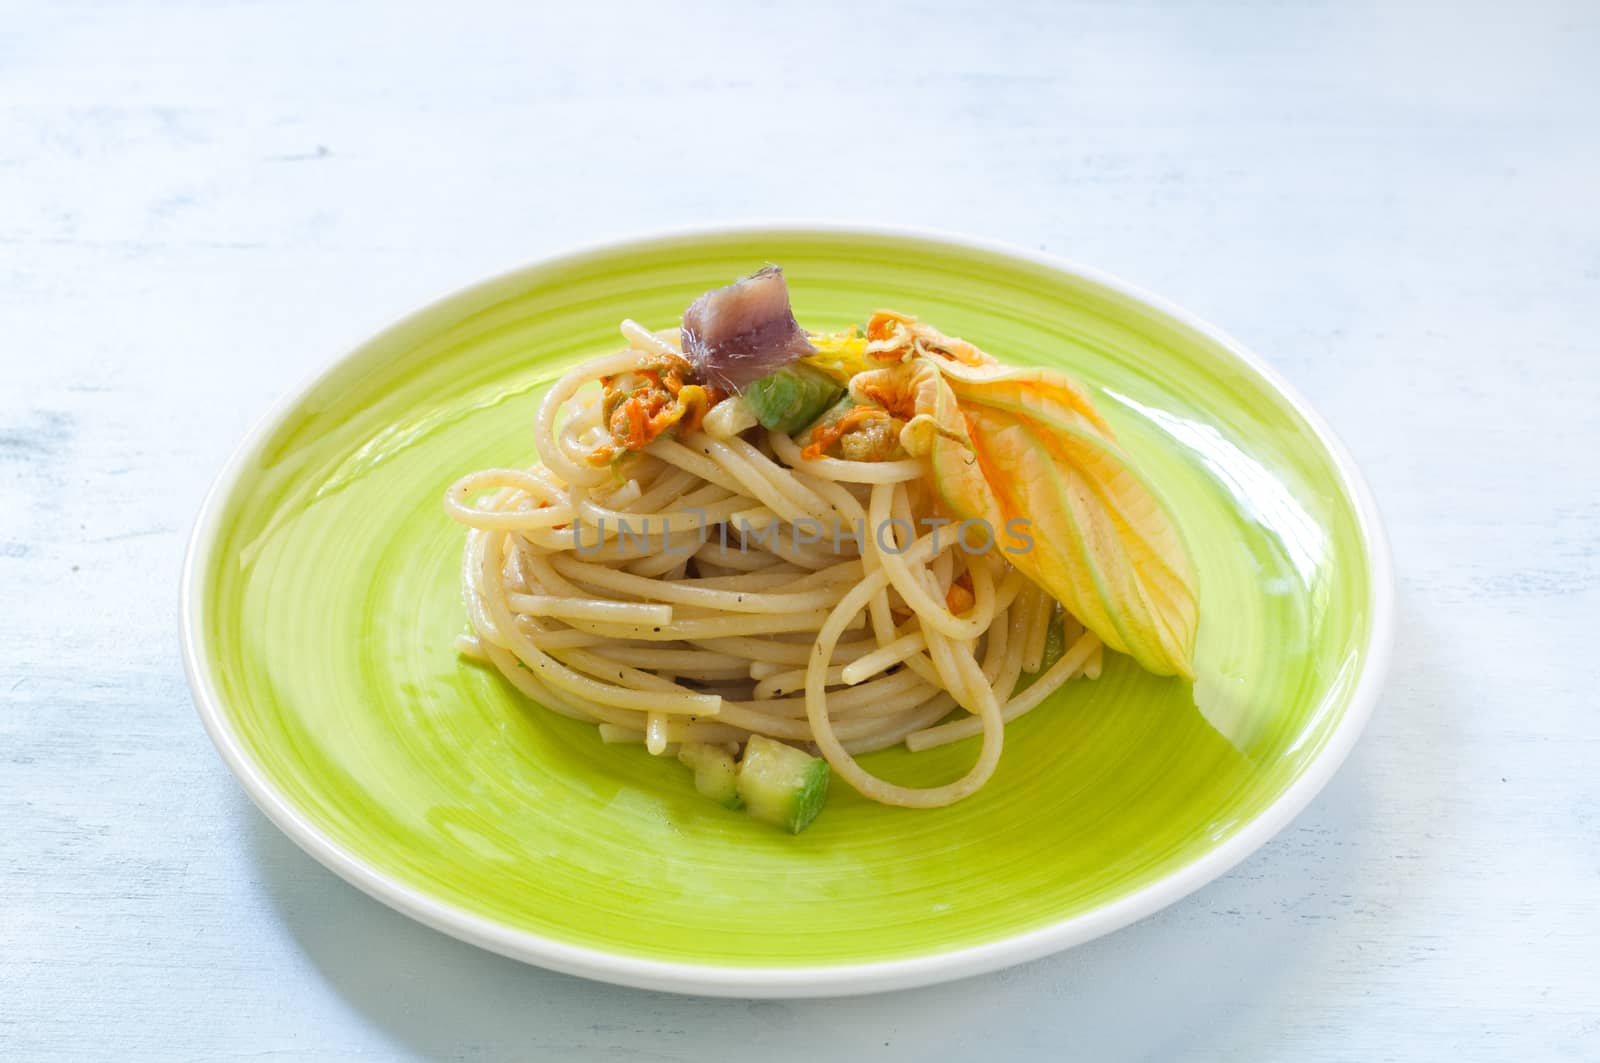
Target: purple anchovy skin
<point x="741" y="333"/>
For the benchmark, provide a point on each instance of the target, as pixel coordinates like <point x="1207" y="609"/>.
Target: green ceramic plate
<point x="320" y="602"/>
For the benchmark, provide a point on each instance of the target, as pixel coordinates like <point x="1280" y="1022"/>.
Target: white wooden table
<point x="1395" y="204"/>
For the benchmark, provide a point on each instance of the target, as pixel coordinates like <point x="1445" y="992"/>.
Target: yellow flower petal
<point x="1028" y="444"/>
<point x="839" y="354"/>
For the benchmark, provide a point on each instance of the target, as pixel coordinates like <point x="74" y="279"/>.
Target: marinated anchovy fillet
<point x="737" y="334"/>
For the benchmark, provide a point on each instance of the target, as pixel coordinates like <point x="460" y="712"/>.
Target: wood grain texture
<point x="1393" y="203"/>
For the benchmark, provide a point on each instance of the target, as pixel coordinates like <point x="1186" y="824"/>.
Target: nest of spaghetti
<point x="768" y="551"/>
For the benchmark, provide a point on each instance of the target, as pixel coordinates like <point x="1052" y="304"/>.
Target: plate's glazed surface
<point x="323" y="597"/>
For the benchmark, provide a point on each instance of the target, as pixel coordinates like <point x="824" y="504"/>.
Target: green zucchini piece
<point x="716" y="774"/>
<point x="782" y="785"/>
<point x="788" y="399"/>
<point x="1055" y="644"/>
<point x="1055" y="640"/>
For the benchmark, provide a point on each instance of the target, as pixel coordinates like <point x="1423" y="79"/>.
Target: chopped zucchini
<point x="1055" y="640"/>
<point x="841" y="406"/>
<point x="782" y="785"/>
<point x="1055" y="644"/>
<point x="715" y="773"/>
<point x="728" y="418"/>
<point x="788" y="399"/>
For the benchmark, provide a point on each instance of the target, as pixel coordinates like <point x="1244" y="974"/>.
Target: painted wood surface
<point x="1393" y="203"/>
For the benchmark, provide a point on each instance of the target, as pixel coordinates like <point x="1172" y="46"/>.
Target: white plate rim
<point x="809" y="981"/>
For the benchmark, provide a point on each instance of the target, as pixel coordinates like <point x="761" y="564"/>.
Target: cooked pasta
<point x="689" y="587"/>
